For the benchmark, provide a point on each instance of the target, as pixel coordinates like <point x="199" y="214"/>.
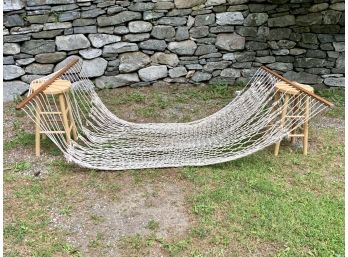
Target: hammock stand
<point x="249" y="123"/>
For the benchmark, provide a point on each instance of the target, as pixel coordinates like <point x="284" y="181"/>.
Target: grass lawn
<point x="260" y="205"/>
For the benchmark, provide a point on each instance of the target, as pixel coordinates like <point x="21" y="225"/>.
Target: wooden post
<point x="282" y="122"/>
<point x="64" y="117"/>
<point x="305" y="126"/>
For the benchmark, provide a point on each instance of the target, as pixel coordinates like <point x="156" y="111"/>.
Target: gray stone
<point x="230" y="73"/>
<point x="48" y="2"/>
<point x="222" y="29"/>
<point x="136" y="37"/>
<point x="13" y="89"/>
<point x="94" y="68"/>
<point x="337" y="6"/>
<point x="280" y="66"/>
<point x="39" y="69"/>
<point x="229" y="18"/>
<point x="85" y="30"/>
<point x="187" y="47"/>
<point x="309" y="62"/>
<point x="303" y="77"/>
<point x="286" y="44"/>
<point x="12" y="71"/>
<point x="190" y="21"/>
<point x="318" y="7"/>
<point x="58" y="25"/>
<point x="66" y="61"/>
<point x="140" y="7"/>
<point x="164" y="5"/>
<point x="297" y="51"/>
<point x="339" y="46"/>
<point x="244" y="56"/>
<point x="12" y="5"/>
<point x="230" y="42"/>
<point x="38" y="19"/>
<point x="179" y="12"/>
<point x="172" y="21"/>
<point x="149" y="15"/>
<point x="215" y="2"/>
<point x="116" y="81"/>
<point x="139" y="26"/>
<point x="261" y="7"/>
<point x="316" y="54"/>
<point x="38" y="47"/>
<point x="281" y="33"/>
<point x="236" y="8"/>
<point x="282" y="21"/>
<point x="318" y="71"/>
<point x="205" y="49"/>
<point x="309" y="38"/>
<point x="182" y="33"/>
<point x="167" y="59"/>
<point x="211" y="66"/>
<point x="182" y="4"/>
<point x="90" y="53"/>
<point x="50" y="57"/>
<point x="177" y="72"/>
<point x="229" y="57"/>
<point x="199" y="76"/>
<point x="247" y="31"/>
<point x="83" y="22"/>
<point x="325" y="29"/>
<point x="69" y="16"/>
<point x="119" y="18"/>
<point x="265" y="59"/>
<point x="309" y="19"/>
<point x="121" y="30"/>
<point x="203" y="20"/>
<point x="65" y="7"/>
<point x="153" y="44"/>
<point x="199" y="32"/>
<point x="163" y="32"/>
<point x="47" y="34"/>
<point x="281" y="52"/>
<point x="331" y="17"/>
<point x="13" y="20"/>
<point x="99" y="40"/>
<point x="92" y="13"/>
<point x="25" y="61"/>
<point x="256" y="19"/>
<point x="8" y="60"/>
<point x="72" y="42"/>
<point x="153" y="73"/>
<point x="133" y="61"/>
<point x="11" y="49"/>
<point x="120" y="47"/>
<point x="334" y="82"/>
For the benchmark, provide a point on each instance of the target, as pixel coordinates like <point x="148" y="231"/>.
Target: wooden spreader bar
<point x="324" y="101"/>
<point x="42" y="88"/>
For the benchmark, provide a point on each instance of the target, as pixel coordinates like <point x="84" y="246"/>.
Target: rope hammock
<point x="249" y="123"/>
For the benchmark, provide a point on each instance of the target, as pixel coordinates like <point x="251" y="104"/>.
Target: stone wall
<point x="139" y="42"/>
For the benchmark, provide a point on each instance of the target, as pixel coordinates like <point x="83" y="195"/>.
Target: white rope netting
<point x="250" y="122"/>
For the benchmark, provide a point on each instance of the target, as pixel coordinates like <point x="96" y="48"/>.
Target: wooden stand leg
<point x="305" y="126"/>
<point x="64" y="116"/>
<point x="71" y="119"/>
<point x="37" y="132"/>
<point x="282" y="122"/>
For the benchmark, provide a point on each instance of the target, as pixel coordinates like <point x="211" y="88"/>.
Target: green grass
<point x="260" y="205"/>
<point x="335" y="95"/>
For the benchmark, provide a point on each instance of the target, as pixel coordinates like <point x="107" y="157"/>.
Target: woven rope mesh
<point x="249" y="123"/>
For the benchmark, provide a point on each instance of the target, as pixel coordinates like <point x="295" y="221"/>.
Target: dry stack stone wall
<point x="139" y="42"/>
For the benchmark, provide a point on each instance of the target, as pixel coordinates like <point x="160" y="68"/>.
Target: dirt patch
<point x="100" y="223"/>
